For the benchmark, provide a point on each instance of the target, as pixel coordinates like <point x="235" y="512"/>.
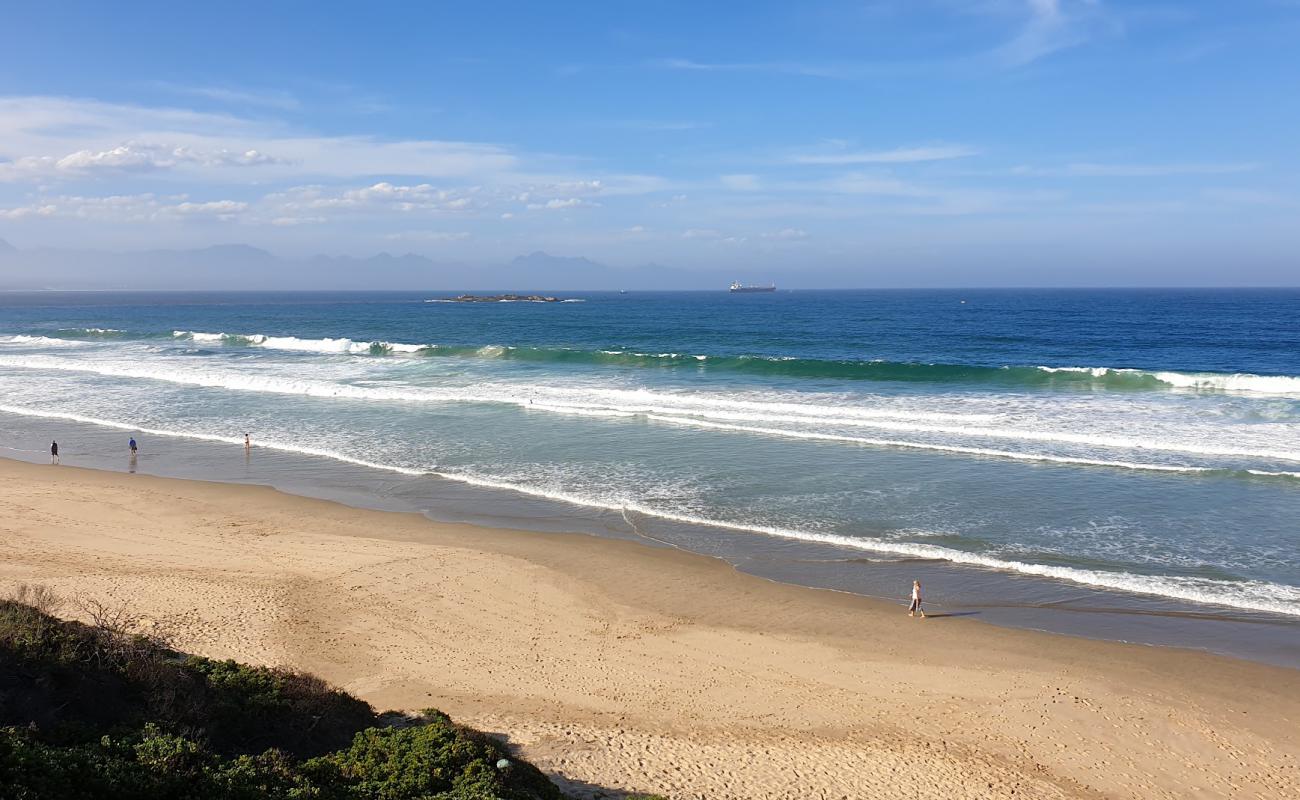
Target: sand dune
<point x="618" y="666"/>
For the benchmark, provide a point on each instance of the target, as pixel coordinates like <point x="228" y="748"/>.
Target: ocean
<point x="1120" y="464"/>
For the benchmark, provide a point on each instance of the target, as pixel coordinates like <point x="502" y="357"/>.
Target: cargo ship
<point x="738" y="287"/>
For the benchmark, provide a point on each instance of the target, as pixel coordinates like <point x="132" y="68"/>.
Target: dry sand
<point x="618" y="666"/>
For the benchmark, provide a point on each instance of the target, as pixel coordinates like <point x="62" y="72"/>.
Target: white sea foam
<point x="94" y="331"/>
<point x="1015" y="434"/>
<point x="1245" y="595"/>
<point x="199" y="336"/>
<point x="1201" y="381"/>
<point x="40" y="341"/>
<point x="1268" y="384"/>
<point x="295" y="344"/>
<point x="701" y="411"/>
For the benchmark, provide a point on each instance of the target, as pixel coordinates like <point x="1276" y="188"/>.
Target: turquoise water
<point x="1121" y="447"/>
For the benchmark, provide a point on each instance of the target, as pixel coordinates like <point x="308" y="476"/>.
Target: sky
<point x="884" y="142"/>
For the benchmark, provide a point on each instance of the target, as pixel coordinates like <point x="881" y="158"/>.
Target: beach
<point x="618" y="666"/>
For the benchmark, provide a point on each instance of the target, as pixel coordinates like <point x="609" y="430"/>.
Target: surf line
<point x="690" y="413"/>
<point x="1262" y="596"/>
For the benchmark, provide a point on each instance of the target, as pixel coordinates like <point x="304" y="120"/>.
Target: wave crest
<point x="1079" y="378"/>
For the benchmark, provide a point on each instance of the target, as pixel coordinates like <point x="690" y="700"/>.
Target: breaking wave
<point x="1249" y="595"/>
<point x="766" y="418"/>
<point x="1011" y="376"/>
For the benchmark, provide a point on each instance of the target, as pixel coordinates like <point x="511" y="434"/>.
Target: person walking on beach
<point x="54" y="452"/>
<point x="134" y="447"/>
<point x="916" y="601"/>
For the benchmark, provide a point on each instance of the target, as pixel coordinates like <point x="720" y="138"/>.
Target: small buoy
<point x="503" y="763"/>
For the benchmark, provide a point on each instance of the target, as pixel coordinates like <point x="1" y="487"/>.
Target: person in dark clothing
<point x="54" y="452"/>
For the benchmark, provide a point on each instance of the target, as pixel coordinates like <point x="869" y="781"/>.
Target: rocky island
<point x="501" y="298"/>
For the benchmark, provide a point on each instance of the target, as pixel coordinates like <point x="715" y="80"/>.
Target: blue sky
<point x="1030" y="141"/>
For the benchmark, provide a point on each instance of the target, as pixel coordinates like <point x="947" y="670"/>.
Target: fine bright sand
<point x="617" y="666"/>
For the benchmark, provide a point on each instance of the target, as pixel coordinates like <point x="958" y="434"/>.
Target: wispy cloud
<point x="1039" y="28"/>
<point x="256" y="98"/>
<point x="1096" y="170"/>
<point x="144" y="207"/>
<point x="1050" y="26"/>
<point x="898" y="155"/>
<point x="39" y="134"/>
<point x="841" y="71"/>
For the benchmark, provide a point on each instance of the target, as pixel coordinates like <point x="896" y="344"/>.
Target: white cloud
<point x="36" y="133"/>
<point x="561" y="203"/>
<point x="222" y="209"/>
<point x="44" y="210"/>
<point x="126" y="158"/>
<point x="145" y="207"/>
<point x="381" y="196"/>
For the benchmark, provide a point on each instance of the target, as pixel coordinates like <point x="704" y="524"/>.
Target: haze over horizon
<point x="667" y="145"/>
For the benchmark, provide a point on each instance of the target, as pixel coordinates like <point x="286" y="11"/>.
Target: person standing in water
<point x="916" y="601"/>
<point x="54" y="452"/>
<point x="134" y="447"/>
<point x="248" y="443"/>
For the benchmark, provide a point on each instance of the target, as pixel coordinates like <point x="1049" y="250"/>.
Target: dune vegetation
<point x="98" y="710"/>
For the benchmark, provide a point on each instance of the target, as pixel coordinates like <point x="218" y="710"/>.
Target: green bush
<point x="76" y="681"/>
<point x="92" y="712"/>
<point x="434" y="758"/>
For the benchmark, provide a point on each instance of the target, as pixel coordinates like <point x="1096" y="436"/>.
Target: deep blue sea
<point x="1115" y="452"/>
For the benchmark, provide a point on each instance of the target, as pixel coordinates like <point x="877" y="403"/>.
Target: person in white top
<point x="916" y="601"/>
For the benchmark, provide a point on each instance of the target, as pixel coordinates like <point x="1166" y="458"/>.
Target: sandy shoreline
<point x="622" y="666"/>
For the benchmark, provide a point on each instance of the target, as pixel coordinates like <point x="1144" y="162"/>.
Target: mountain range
<point x="238" y="266"/>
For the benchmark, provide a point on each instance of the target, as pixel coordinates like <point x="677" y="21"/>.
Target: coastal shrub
<point x="149" y="766"/>
<point x="97" y="711"/>
<point x="431" y="759"/>
<point x="249" y="709"/>
<point x="69" y="678"/>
